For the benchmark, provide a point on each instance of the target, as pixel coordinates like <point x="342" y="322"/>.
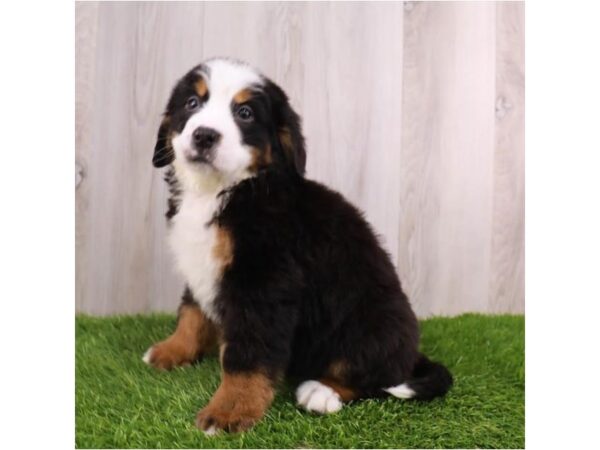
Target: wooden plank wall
<point x="415" y="111"/>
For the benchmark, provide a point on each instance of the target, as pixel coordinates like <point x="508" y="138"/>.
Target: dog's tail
<point x="428" y="380"/>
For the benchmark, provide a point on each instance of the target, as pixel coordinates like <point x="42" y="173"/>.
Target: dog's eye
<point x="192" y="103"/>
<point x="245" y="113"/>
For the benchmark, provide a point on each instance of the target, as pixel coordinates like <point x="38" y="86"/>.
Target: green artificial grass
<point x="121" y="402"/>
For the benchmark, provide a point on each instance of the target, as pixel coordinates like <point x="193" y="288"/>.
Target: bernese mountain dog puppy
<point x="283" y="275"/>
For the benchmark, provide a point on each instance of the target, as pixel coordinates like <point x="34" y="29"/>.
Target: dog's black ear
<point x="163" y="150"/>
<point x="288" y="128"/>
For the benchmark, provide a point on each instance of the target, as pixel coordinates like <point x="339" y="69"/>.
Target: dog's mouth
<point x="198" y="157"/>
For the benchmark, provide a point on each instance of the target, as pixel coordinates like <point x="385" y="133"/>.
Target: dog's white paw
<point x="147" y="355"/>
<point x="211" y="431"/>
<point x="316" y="397"/>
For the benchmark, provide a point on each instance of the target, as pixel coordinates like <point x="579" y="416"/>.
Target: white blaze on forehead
<point x="224" y="79"/>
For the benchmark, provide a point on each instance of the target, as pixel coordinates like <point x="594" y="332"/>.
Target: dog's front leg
<point x="240" y="401"/>
<point x="194" y="335"/>
<point x="254" y="355"/>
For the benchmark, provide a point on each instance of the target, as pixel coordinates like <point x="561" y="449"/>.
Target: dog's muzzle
<point x="204" y="140"/>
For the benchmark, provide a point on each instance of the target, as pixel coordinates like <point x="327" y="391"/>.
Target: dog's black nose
<point x="205" y="138"/>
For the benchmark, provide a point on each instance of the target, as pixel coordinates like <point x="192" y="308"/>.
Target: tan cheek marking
<point x="260" y="158"/>
<point x="286" y="139"/>
<point x="223" y="248"/>
<point x="201" y="88"/>
<point x="268" y="156"/>
<point x="242" y="96"/>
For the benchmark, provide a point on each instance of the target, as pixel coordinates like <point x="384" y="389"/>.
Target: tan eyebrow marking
<point x="242" y="96"/>
<point x="201" y="88"/>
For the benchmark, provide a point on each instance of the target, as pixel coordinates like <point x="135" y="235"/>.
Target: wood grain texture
<point x="398" y="102"/>
<point x="447" y="156"/>
<point x="86" y="28"/>
<point x="138" y="56"/>
<point x="341" y="65"/>
<point x="507" y="274"/>
<point x="352" y="100"/>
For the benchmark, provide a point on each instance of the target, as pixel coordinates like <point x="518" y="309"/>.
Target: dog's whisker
<point x="168" y="147"/>
<point x="164" y="156"/>
<point x="165" y="151"/>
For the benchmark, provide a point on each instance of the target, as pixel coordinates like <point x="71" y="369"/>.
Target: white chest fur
<point x="192" y="242"/>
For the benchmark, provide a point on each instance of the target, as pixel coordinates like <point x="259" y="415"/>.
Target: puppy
<point x="283" y="274"/>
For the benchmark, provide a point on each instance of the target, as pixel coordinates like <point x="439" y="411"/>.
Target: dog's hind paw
<point x="316" y="397"/>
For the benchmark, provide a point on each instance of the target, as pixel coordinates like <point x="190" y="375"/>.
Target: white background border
<point x="562" y="224"/>
<point x="562" y="149"/>
<point x="37" y="241"/>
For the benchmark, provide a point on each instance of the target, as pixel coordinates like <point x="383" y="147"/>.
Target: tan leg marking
<point x="335" y="377"/>
<point x="345" y="393"/>
<point x="240" y="401"/>
<point x="195" y="334"/>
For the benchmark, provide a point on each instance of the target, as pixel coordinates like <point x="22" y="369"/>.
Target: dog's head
<point x="225" y="117"/>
